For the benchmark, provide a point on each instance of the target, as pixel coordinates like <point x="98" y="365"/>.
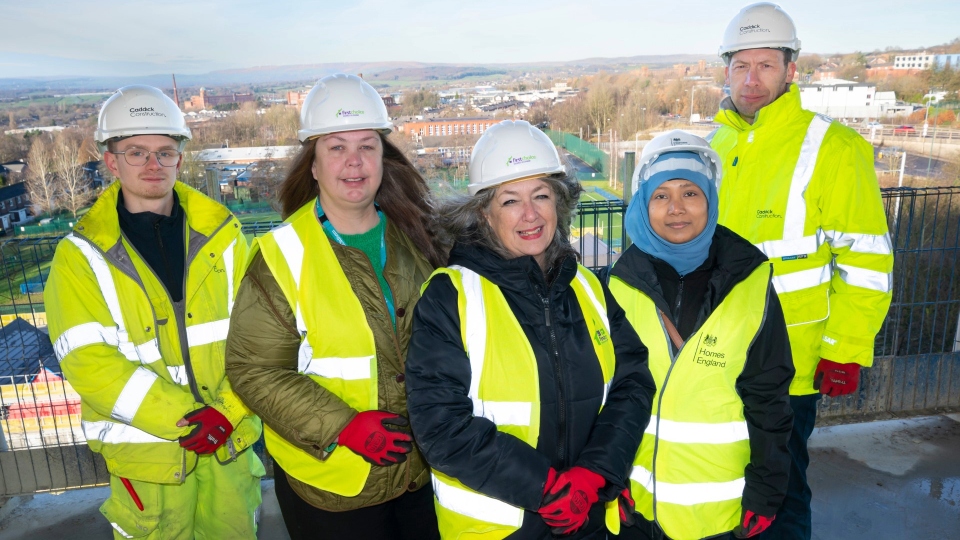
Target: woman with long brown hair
<point x="319" y="332"/>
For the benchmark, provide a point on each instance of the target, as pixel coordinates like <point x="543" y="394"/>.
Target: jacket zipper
<point x="676" y="308"/>
<point x="558" y="373"/>
<point x="179" y="311"/>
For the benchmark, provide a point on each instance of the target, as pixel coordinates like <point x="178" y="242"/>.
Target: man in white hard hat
<point x="138" y="305"/>
<point x="803" y="189"/>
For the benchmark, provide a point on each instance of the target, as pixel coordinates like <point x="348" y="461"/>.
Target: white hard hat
<point x="140" y="110"/>
<point x="676" y="141"/>
<point x="342" y="102"/>
<point x="509" y="151"/>
<point x="760" y="26"/>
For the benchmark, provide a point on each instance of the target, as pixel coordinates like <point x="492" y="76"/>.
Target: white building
<point x="914" y="61"/>
<point x="842" y="99"/>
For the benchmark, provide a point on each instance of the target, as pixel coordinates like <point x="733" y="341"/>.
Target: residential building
<point x="441" y="127"/>
<point x="14" y="206"/>
<point x="913" y="61"/>
<point x="842" y="99"/>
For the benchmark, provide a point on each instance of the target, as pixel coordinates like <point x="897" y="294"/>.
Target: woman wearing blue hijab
<point x="713" y="461"/>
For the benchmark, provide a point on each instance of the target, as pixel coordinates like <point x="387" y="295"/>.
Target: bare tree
<point x="41" y="182"/>
<point x="75" y="188"/>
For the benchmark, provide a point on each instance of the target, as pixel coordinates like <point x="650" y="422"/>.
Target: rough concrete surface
<point x="896" y="479"/>
<point x="887" y="480"/>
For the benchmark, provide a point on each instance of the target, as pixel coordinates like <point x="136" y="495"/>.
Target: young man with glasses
<point x="138" y="305"/>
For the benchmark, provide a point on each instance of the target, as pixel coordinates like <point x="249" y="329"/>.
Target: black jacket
<point x="571" y="432"/>
<point x="764" y="384"/>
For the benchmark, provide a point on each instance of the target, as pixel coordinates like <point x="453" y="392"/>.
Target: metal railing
<point x="916" y="371"/>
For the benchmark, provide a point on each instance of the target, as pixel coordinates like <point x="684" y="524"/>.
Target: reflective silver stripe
<point x="499" y="412"/>
<point x="115" y="433"/>
<point x="505" y="413"/>
<point x="803" y="279"/>
<point x="119" y="530"/>
<point x="133" y="394"/>
<point x="475" y="505"/>
<point x="348" y="369"/>
<point x="148" y="352"/>
<point x="207" y="333"/>
<point x="105" y="280"/>
<point x="774" y="249"/>
<point x="675" y="164"/>
<point x="476" y="333"/>
<point x="868" y="279"/>
<point x="82" y="335"/>
<point x="698" y="432"/>
<point x="796" y="213"/>
<point x="688" y="494"/>
<point x="179" y="374"/>
<point x="593" y="298"/>
<point x="877" y="244"/>
<point x="292" y="249"/>
<point x="228" y="264"/>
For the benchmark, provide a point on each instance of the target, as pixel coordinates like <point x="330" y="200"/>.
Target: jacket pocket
<point x="806" y="306"/>
<point x="126" y="519"/>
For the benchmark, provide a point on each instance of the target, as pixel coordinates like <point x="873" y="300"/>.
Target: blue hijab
<point x="686" y="257"/>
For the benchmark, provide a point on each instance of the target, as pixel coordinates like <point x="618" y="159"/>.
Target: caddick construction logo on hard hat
<point x="144" y="111"/>
<point x="676" y="141"/>
<point x="344" y="113"/>
<point x="752" y="29"/>
<point x="518" y="160"/>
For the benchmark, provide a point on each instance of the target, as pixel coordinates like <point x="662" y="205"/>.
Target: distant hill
<point x="375" y="72"/>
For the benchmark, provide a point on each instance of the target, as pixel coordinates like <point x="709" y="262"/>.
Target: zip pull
<point x="546" y="311"/>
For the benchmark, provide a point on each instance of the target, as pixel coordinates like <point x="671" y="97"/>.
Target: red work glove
<point x="835" y="379"/>
<point x="567" y="502"/>
<point x="627" y="508"/>
<point x="378" y="437"/>
<point x="212" y="430"/>
<point x="752" y="524"/>
<point x="551" y="480"/>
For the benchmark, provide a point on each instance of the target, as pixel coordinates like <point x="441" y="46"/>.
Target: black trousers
<point x="410" y="516"/>
<point x="794" y="518"/>
<point x="646" y="530"/>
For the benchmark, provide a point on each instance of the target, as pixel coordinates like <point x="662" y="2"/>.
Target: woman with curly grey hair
<point x="527" y="389"/>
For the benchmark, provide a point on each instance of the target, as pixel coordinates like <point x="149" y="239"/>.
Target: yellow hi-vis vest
<point x="688" y="475"/>
<point x="802" y="188"/>
<point x="337" y="350"/>
<point x="505" y="389"/>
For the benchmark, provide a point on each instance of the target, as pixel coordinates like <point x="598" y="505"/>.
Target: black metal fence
<point x="916" y="371"/>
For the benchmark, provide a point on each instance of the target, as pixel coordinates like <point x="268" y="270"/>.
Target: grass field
<point x="65" y="100"/>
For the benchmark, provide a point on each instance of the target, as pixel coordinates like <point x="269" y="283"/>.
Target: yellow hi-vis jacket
<point x="504" y="388"/>
<point x="803" y="189"/>
<point x="688" y="475"/>
<point x="337" y="350"/>
<point x="139" y="361"/>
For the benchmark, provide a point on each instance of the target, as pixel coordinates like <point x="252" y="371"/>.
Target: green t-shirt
<point x="370" y="243"/>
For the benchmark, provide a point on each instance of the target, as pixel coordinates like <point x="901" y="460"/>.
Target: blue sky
<point x="140" y="37"/>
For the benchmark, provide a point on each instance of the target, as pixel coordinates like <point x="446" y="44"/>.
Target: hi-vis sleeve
<point x="117" y="377"/>
<point x="855" y="226"/>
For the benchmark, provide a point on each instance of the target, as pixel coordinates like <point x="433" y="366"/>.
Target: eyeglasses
<point x="137" y="157"/>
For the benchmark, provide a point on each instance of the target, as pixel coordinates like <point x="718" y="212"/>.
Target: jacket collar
<point x="517" y="275"/>
<point x="731" y="260"/>
<point x="781" y="110"/>
<point x="101" y="224"/>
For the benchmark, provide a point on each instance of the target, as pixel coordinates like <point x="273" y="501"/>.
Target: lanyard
<point x="332" y="232"/>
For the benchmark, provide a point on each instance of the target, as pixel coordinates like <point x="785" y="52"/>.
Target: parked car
<point x="904" y="130"/>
